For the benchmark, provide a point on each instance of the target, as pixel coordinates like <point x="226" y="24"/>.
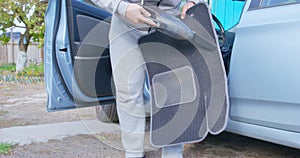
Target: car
<point x="259" y="48"/>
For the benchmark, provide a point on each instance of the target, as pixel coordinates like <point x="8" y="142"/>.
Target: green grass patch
<point x="7" y="68"/>
<point x="5" y="148"/>
<point x="33" y="70"/>
<point x="100" y="137"/>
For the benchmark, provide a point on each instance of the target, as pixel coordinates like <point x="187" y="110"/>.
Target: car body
<point x="263" y="65"/>
<point x="264" y="80"/>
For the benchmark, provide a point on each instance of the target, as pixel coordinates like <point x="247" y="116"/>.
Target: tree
<point x="31" y="14"/>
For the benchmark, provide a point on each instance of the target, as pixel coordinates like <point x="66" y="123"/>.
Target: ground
<point x="22" y="105"/>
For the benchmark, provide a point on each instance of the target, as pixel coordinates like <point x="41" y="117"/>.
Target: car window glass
<point x="228" y="12"/>
<point x="269" y="3"/>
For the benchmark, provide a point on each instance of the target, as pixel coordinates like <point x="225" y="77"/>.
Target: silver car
<point x="260" y="54"/>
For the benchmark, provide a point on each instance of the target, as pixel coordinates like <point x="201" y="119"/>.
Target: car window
<point x="270" y="3"/>
<point x="228" y="12"/>
<point x="258" y="4"/>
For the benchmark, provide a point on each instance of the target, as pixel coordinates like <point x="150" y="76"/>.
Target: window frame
<point x="257" y="4"/>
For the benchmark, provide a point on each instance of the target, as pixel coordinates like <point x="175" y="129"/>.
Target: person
<point x="128" y="67"/>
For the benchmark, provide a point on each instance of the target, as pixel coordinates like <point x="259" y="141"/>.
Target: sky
<point x="17" y="29"/>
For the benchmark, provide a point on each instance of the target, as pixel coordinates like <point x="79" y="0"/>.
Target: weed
<point x="5" y="148"/>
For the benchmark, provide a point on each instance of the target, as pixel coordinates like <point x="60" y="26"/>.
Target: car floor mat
<point x="188" y="83"/>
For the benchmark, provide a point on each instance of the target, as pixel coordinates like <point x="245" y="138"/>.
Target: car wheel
<point x="107" y="113"/>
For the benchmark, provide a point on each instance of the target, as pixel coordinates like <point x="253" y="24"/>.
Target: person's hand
<point x="138" y="15"/>
<point x="187" y="6"/>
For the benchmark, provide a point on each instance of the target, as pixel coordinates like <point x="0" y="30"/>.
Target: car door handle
<point x="63" y="49"/>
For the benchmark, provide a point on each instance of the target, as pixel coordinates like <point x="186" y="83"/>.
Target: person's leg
<point x="129" y="76"/>
<point x="172" y="151"/>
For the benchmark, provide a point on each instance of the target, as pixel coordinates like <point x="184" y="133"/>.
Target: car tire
<point x="107" y="113"/>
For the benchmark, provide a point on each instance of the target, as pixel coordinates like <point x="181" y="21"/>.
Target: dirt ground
<point x="22" y="105"/>
<point x="18" y="103"/>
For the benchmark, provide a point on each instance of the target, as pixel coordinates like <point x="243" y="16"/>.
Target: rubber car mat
<point x="173" y="64"/>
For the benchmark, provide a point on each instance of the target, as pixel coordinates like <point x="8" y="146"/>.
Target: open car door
<point x="186" y="77"/>
<point x="77" y="61"/>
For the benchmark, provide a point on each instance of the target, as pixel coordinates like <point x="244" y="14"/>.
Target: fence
<point x="8" y="53"/>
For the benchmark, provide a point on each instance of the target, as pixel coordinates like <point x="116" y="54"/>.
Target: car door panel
<point x="77" y="68"/>
<point x="264" y="74"/>
<point x="93" y="55"/>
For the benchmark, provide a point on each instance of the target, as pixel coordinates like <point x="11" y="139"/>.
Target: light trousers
<point x="128" y="68"/>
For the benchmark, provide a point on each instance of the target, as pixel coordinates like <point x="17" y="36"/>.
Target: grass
<point x="7" y="67"/>
<point x="31" y="70"/>
<point x="100" y="137"/>
<point x="5" y="148"/>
